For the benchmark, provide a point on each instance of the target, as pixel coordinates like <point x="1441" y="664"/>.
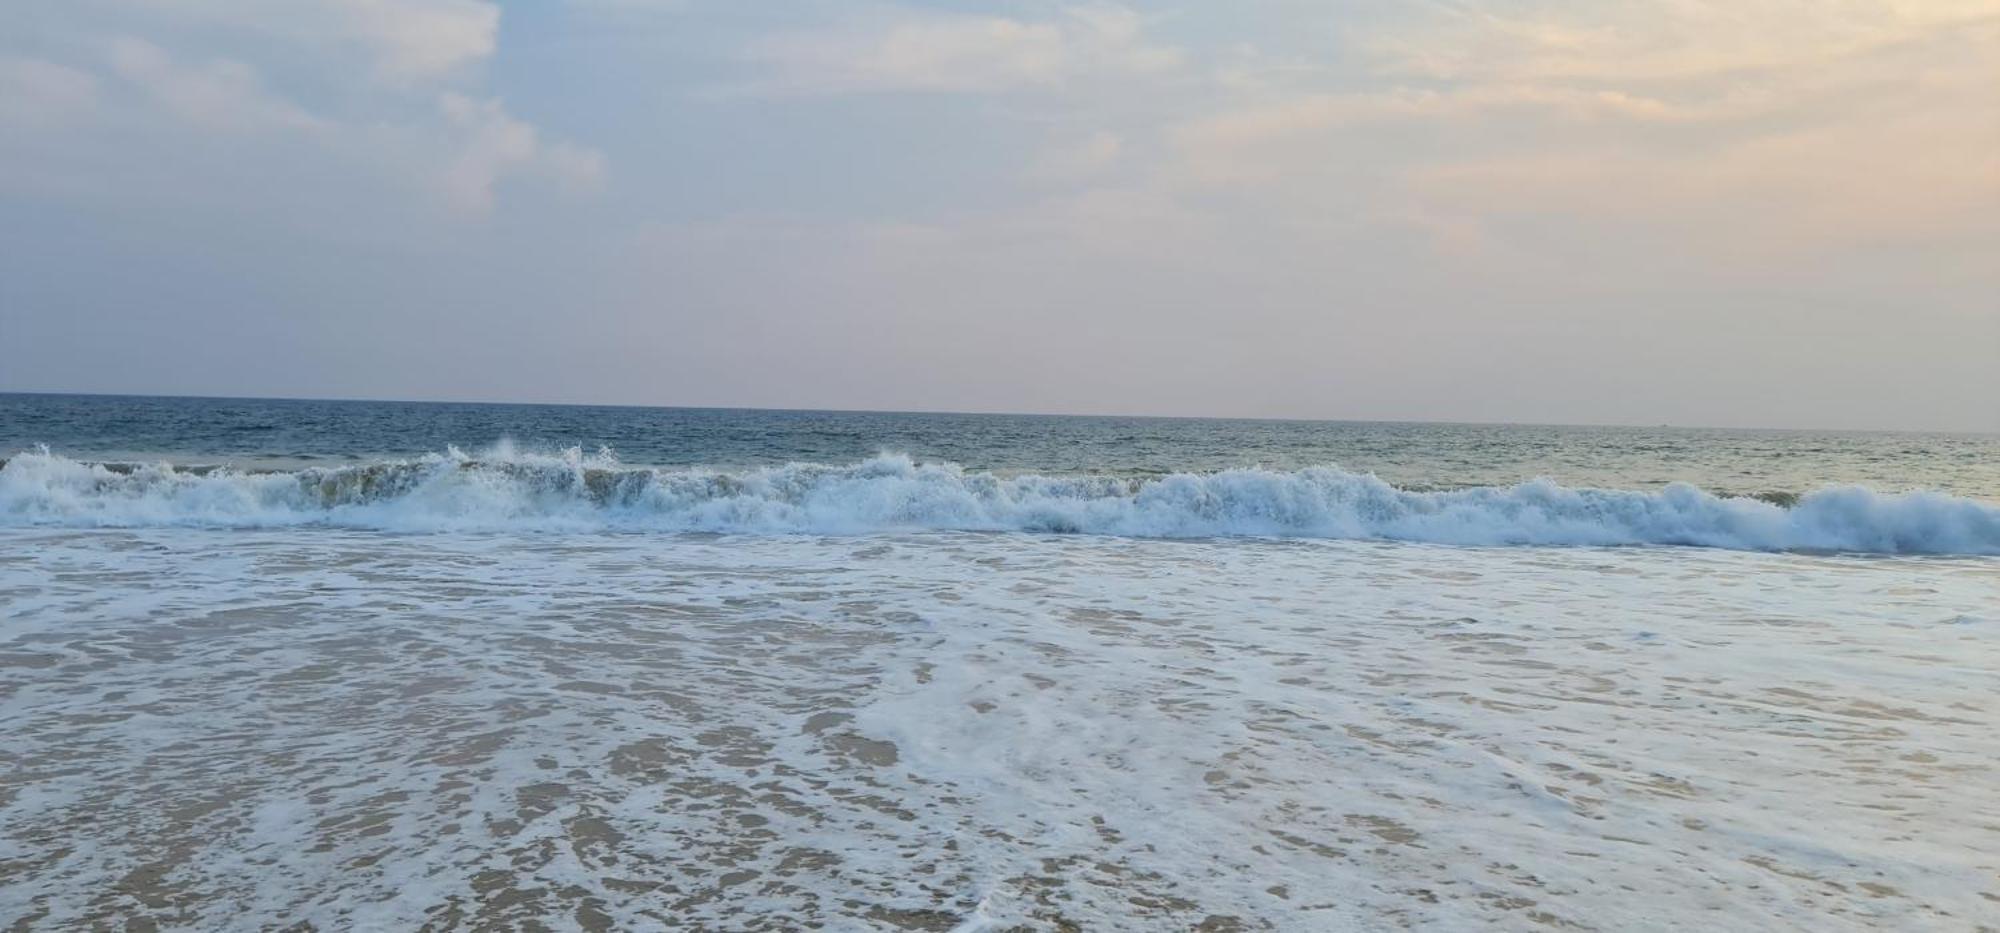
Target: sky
<point x="1780" y="213"/>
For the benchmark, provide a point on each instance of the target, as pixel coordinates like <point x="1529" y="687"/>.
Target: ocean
<point x="378" y="665"/>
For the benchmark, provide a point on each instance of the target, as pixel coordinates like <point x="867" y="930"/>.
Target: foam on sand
<point x="355" y="730"/>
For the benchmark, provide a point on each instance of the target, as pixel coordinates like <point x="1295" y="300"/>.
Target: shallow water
<point x="242" y="729"/>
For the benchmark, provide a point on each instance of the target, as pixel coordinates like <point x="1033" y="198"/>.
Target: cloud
<point x="34" y="92"/>
<point x="1270" y="141"/>
<point x="1091" y="155"/>
<point x="959" y="53"/>
<point x="1731" y="129"/>
<point x="372" y="91"/>
<point x="1645" y="42"/>
<point x="413" y="39"/>
<point x="494" y="145"/>
<point x="402" y="40"/>
<point x="219" y="94"/>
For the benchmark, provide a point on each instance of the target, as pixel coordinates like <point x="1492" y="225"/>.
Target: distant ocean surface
<point x="377" y="665"/>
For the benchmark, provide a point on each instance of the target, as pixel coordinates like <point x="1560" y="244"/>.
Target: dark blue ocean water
<point x="289" y="434"/>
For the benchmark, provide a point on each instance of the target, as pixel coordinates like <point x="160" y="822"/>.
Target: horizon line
<point x="1443" y="422"/>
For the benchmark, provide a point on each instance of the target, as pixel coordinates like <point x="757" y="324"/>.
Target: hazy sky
<point x="1740" y="212"/>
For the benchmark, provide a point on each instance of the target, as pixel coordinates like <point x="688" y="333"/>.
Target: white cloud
<point x="1644" y="42"/>
<point x="40" y="93"/>
<point x="1730" y="129"/>
<point x="1091" y="155"/>
<point x="218" y="94"/>
<point x="423" y="39"/>
<point x="1270" y="141"/>
<point x="382" y="89"/>
<point x="936" y="52"/>
<point x="402" y="40"/>
<point x="492" y="144"/>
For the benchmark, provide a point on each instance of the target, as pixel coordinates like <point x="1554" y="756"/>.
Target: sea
<point x="360" y="665"/>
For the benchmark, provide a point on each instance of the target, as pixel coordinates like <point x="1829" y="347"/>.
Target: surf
<point x="506" y="489"/>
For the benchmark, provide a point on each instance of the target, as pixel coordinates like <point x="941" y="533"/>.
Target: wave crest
<point x="571" y="491"/>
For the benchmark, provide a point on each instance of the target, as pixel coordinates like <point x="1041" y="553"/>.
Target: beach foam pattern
<point x="246" y="730"/>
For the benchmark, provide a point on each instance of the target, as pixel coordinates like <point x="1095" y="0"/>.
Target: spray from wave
<point x="504" y="489"/>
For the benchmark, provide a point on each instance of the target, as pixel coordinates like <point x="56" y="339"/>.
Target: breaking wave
<point x="571" y="491"/>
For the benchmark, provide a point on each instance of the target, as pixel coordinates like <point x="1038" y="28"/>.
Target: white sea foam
<point x="504" y="489"/>
<point x="355" y="730"/>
